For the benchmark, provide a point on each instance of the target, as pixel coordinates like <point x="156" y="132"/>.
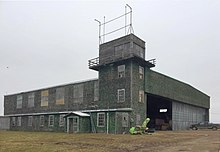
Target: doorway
<point x="73" y="124"/>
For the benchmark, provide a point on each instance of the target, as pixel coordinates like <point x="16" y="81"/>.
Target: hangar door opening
<point x="159" y="110"/>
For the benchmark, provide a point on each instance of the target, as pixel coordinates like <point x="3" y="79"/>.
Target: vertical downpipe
<point x="107" y="122"/>
<point x="131" y="90"/>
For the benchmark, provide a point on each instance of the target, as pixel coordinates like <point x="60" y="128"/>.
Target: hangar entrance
<point x="159" y="110"/>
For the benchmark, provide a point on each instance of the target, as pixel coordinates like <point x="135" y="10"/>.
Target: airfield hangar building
<point x="126" y="92"/>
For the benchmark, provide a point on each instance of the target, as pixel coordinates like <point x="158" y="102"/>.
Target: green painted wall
<point x="162" y="85"/>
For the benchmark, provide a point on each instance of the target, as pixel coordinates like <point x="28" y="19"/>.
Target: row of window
<point x="121" y="95"/>
<point x="121" y="71"/>
<point x="60" y="93"/>
<point x="101" y="120"/>
<point x="17" y="121"/>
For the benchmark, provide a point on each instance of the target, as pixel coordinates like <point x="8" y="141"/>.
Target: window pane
<point x="121" y="95"/>
<point x="31" y="100"/>
<point x="19" y="101"/>
<point x="141" y="72"/>
<point x="60" y="96"/>
<point x="44" y="98"/>
<point x="101" y="119"/>
<point x="61" y="121"/>
<point x="41" y="120"/>
<point x="78" y="93"/>
<point x="51" y="120"/>
<point x="121" y="71"/>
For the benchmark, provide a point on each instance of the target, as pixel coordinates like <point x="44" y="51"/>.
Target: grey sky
<point x="49" y="43"/>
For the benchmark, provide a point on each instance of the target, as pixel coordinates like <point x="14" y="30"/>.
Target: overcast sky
<point x="47" y="43"/>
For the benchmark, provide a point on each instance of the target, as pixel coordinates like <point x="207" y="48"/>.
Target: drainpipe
<point x="107" y="122"/>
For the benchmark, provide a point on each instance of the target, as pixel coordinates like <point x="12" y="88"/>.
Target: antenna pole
<point x="131" y="29"/>
<point x="125" y="19"/>
<point x="99" y="31"/>
<point x="104" y="30"/>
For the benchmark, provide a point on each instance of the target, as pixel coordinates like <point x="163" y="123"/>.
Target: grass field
<point x="166" y="141"/>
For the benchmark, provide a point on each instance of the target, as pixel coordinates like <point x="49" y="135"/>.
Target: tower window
<point x="121" y="71"/>
<point x="141" y="72"/>
<point x="141" y="96"/>
<point x="121" y="95"/>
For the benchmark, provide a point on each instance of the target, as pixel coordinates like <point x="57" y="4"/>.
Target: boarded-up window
<point x="51" y="120"/>
<point x="19" y="121"/>
<point x="30" y="100"/>
<point x="19" y="101"/>
<point x="125" y="120"/>
<point x="96" y="91"/>
<point x="78" y="93"/>
<point x="141" y="96"/>
<point x="13" y="121"/>
<point x="100" y="119"/>
<point x="30" y="121"/>
<point x="44" y="98"/>
<point x="141" y="72"/>
<point x="121" y="95"/>
<point x="42" y="120"/>
<point x="121" y="71"/>
<point x="60" y="96"/>
<point x="61" y="120"/>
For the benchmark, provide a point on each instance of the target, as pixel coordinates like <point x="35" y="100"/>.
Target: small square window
<point x="121" y="95"/>
<point x="100" y="119"/>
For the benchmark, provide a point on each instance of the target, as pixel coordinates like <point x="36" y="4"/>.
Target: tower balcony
<point x="93" y="63"/>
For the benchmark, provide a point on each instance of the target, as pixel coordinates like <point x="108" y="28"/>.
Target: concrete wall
<point x="4" y="123"/>
<point x="161" y="85"/>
